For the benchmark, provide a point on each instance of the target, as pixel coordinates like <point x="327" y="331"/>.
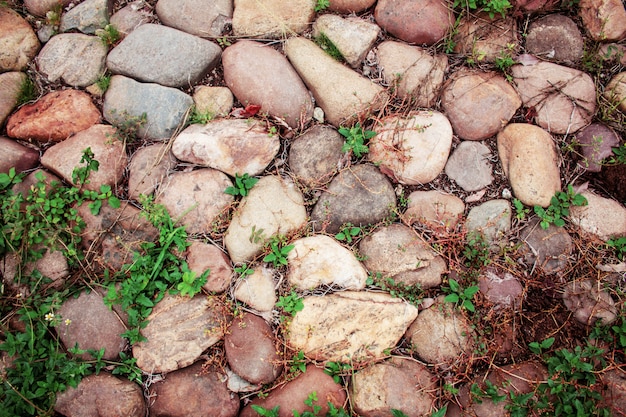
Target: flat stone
<point x="148" y="168"/>
<point x="437" y="210"/>
<point x="102" y="395"/>
<point x="360" y="195"/>
<point x="441" y="335"/>
<point x="604" y="20"/>
<point x="15" y="155"/>
<point x="479" y="104"/>
<point x="179" y="329"/>
<point x="74" y="58"/>
<point x="596" y="142"/>
<point x="555" y="37"/>
<point x="547" y="249"/>
<point x="615" y="392"/>
<point x="88" y="16"/>
<point x="257" y="290"/>
<point x="412" y="71"/>
<point x="398" y="252"/>
<point x="205" y="256"/>
<point x="431" y="20"/>
<point x="492" y="219"/>
<point x="197" y="198"/>
<point x="160" y="54"/>
<point x="501" y="289"/>
<point x="274" y="206"/>
<point x="197" y="17"/>
<point x="291" y="396"/>
<point x="342" y="93"/>
<point x="217" y="101"/>
<point x="272" y="18"/>
<point x="563" y="98"/>
<point x="260" y="75"/>
<point x="321" y="260"/>
<point x="349" y="6"/>
<point x="251" y="349"/>
<point x="130" y="17"/>
<point x="530" y="161"/>
<point x="484" y="39"/>
<point x="53" y="265"/>
<point x="412" y="149"/>
<point x="352" y="36"/>
<point x="18" y="42"/>
<point x="165" y="108"/>
<point x="54" y="117"/>
<point x="589" y="303"/>
<point x="315" y="156"/>
<point x="10" y="87"/>
<point x="615" y="91"/>
<point x="40" y="7"/>
<point x="87" y="322"/>
<point x="602" y="217"/>
<point x="233" y="146"/>
<point x="469" y="166"/>
<point x="109" y="151"/>
<point x="330" y="327"/>
<point x="398" y="384"/>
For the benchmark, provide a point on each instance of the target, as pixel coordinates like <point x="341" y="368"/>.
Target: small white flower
<point x="49" y="316"/>
<point x="68" y="322"/>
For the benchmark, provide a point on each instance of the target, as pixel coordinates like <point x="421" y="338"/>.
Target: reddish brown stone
<point x="429" y="22"/>
<point x="16" y="156"/>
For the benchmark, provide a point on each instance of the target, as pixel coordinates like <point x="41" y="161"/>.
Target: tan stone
<point x="615" y="91"/>
<point x="204" y="256"/>
<point x="216" y="101"/>
<point x="148" y="168"/>
<point x="271" y="18"/>
<point x="10" y="87"/>
<point x="484" y="39"/>
<point x="601" y="216"/>
<point x="439" y="211"/>
<point x="257" y="290"/>
<point x="18" y="42"/>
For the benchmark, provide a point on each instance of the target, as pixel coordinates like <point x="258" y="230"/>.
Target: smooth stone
<point x="412" y="149"/>
<point x="349" y="6"/>
<point x="10" y="86"/>
<point x="478" y="104"/>
<point x="530" y="161"/>
<point x="491" y="219"/>
<point x="233" y="146"/>
<point x="205" y="256"/>
<point x="330" y="327"/>
<point x="602" y="217"/>
<point x="87" y="322"/>
<point x="15" y="155"/>
<point x="430" y="21"/>
<point x="589" y="303"/>
<point x="88" y="16"/>
<point x="398" y="252"/>
<point x="257" y="290"/>
<point x="216" y="101"/>
<point x="274" y="206"/>
<point x="412" y="71"/>
<point x="596" y="143"/>
<point x="342" y="93"/>
<point x="271" y="18"/>
<point x="359" y="195"/>
<point x="197" y="17"/>
<point x="41" y="7"/>
<point x="291" y="397"/>
<point x="109" y="151"/>
<point x="483" y="39"/>
<point x="322" y="261"/>
<point x="547" y="249"/>
<point x="251" y="351"/>
<point x="260" y="75"/>
<point x="54" y="117"/>
<point x="53" y="265"/>
<point x="18" y="42"/>
<point x="563" y="98"/>
<point x="314" y="157"/>
<point x="469" y="166"/>
<point x="165" y="108"/>
<point x="604" y="20"/>
<point x="179" y="329"/>
<point x="398" y="384"/>
<point x="130" y="17"/>
<point x="163" y="55"/>
<point x="235" y="383"/>
<point x="193" y="391"/>
<point x="555" y="37"/>
<point x="436" y="210"/>
<point x="74" y="58"/>
<point x="441" y="335"/>
<point x="148" y="168"/>
<point x="353" y="37"/>
<point x="197" y="198"/>
<point x="615" y="91"/>
<point x="102" y="395"/>
<point x="501" y="289"/>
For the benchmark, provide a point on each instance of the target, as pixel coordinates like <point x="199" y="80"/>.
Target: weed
<point x="290" y="304"/>
<point x="490" y="6"/>
<point x="476" y="251"/>
<point x="243" y="185"/>
<point x="559" y="207"/>
<point x="256" y="236"/>
<point x="298" y="363"/>
<point x="413" y="294"/>
<point x="459" y="296"/>
<point x="109" y="35"/>
<point x="355" y="138"/>
<point x="198" y="117"/>
<point x="28" y="92"/>
<point x="224" y="42"/>
<point x="539" y="347"/>
<point x="322" y="5"/>
<point x="244" y="270"/>
<point x="278" y="251"/>
<point x="619" y="244"/>
<point x="490" y="391"/>
<point x="505" y="61"/>
<point x="348" y="232"/>
<point x="337" y="370"/>
<point x="103" y="82"/>
<point x="619" y="155"/>
<point x="439" y="413"/>
<point x="520" y="211"/>
<point x="328" y="46"/>
<point x="310" y="402"/>
<point x="127" y="126"/>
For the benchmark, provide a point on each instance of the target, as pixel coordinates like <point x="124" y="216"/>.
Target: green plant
<point x="291" y="303"/>
<point x="28" y="92"/>
<point x="459" y="296"/>
<point x="198" y="117"/>
<point x="619" y="244"/>
<point x="322" y="5"/>
<point x="559" y="207"/>
<point x="619" y="155"/>
<point x="520" y="210"/>
<point x="103" y="82"/>
<point x="109" y="35"/>
<point x="539" y="347"/>
<point x="244" y="270"/>
<point x="243" y="185"/>
<point x="355" y="138"/>
<point x="127" y="126"/>
<point x="476" y="251"/>
<point x="278" y="251"/>
<point x="328" y="46"/>
<point x="337" y="370"/>
<point x="310" y="402"/>
<point x="410" y="293"/>
<point x="490" y="6"/>
<point x="298" y="363"/>
<point x="348" y="232"/>
<point x="224" y="42"/>
<point x="504" y="61"/>
<point x="256" y="236"/>
<point x="439" y="413"/>
<point x="490" y="391"/>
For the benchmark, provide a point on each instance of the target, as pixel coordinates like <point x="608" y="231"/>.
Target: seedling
<point x="348" y="232"/>
<point x="490" y="6"/>
<point x="109" y="35"/>
<point x="291" y="303"/>
<point x="298" y="363"/>
<point x="328" y="46"/>
<point x="355" y="138"/>
<point x="243" y="185"/>
<point x="539" y="348"/>
<point x="558" y="209"/>
<point x="459" y="296"/>
<point x="244" y="270"/>
<point x="103" y="82"/>
<point x="278" y="251"/>
<point x="476" y="251"/>
<point x="520" y="210"/>
<point x="198" y="117"/>
<point x="413" y="294"/>
<point x="336" y="370"/>
<point x="619" y="155"/>
<point x="322" y="5"/>
<point x="28" y="92"/>
<point x="619" y="244"/>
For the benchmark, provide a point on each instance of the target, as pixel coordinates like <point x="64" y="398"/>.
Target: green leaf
<point x="451" y="298"/>
<point x="114" y="202"/>
<point x="454" y="285"/>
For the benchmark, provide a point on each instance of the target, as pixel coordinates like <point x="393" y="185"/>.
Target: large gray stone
<point x="491" y="219"/>
<point x="469" y="166"/>
<point x="18" y="42"/>
<point x="197" y="17"/>
<point x="315" y="156"/>
<point x="88" y="16"/>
